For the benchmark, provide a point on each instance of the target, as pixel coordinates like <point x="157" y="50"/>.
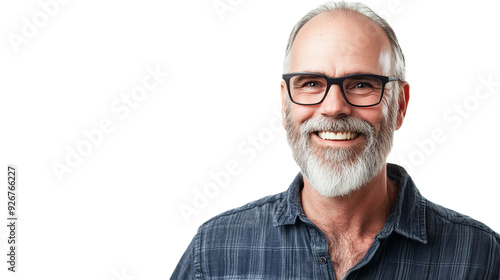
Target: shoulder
<point x="444" y="221"/>
<point x="439" y="221"/>
<point x="232" y="232"/>
<point x="256" y="212"/>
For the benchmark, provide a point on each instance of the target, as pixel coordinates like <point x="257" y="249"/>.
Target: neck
<point x="361" y="214"/>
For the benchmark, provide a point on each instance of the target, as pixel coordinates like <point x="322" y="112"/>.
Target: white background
<point x="117" y="215"/>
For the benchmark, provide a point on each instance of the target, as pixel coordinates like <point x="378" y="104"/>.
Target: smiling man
<point x="348" y="214"/>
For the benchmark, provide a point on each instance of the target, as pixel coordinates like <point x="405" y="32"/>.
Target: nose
<point x="334" y="105"/>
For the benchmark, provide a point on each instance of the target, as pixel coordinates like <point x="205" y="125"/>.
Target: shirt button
<point x="323" y="260"/>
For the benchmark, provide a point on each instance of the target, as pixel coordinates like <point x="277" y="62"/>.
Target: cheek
<point x="299" y="114"/>
<point x="374" y="116"/>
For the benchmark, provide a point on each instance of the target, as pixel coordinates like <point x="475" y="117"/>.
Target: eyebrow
<point x="305" y="77"/>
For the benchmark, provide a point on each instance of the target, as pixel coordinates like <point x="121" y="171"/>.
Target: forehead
<point x="339" y="43"/>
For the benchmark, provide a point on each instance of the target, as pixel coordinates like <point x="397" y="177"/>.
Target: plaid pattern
<point x="272" y="239"/>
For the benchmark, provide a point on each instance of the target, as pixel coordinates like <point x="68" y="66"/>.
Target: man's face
<point x="339" y="46"/>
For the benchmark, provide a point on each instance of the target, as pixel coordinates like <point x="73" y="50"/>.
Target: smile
<point x="329" y="135"/>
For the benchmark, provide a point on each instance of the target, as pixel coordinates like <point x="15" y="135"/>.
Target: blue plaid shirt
<point x="272" y="238"/>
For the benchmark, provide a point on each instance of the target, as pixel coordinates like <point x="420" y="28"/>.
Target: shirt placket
<point x="322" y="264"/>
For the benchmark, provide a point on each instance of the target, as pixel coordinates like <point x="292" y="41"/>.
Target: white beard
<point x="334" y="172"/>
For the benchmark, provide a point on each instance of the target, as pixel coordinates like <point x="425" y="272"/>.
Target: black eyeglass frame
<point x="338" y="81"/>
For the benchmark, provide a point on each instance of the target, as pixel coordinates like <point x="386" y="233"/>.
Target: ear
<point x="284" y="96"/>
<point x="404" y="97"/>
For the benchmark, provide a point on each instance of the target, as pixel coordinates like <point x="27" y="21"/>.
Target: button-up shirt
<point x="272" y="238"/>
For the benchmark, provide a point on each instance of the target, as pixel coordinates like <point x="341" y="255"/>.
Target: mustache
<point x="344" y="124"/>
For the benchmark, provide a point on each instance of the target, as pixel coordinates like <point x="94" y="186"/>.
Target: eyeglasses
<point x="360" y="90"/>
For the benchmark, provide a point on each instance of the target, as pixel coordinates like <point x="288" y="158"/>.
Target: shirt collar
<point x="290" y="207"/>
<point x="407" y="216"/>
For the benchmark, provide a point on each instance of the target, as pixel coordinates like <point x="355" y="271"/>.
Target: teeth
<point x="328" y="135"/>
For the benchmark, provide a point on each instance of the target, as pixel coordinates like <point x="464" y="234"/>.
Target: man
<point x="348" y="214"/>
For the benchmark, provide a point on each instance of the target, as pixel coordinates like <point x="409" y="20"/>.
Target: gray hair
<point x="398" y="60"/>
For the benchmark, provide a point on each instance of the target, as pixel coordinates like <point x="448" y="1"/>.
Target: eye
<point x="308" y="83"/>
<point x="363" y="85"/>
<point x="311" y="84"/>
<point x="359" y="84"/>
